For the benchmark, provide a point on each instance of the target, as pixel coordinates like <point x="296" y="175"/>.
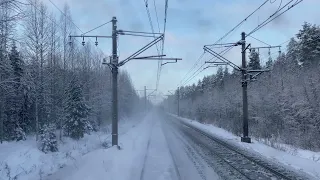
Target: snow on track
<point x="301" y="164"/>
<point x="111" y="164"/>
<point x="158" y="161"/>
<point x="134" y="161"/>
<point x="189" y="161"/>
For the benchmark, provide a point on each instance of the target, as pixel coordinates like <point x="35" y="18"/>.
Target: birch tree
<point x="37" y="42"/>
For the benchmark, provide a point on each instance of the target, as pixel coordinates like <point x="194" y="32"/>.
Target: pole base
<point x="114" y="139"/>
<point x="246" y="139"/>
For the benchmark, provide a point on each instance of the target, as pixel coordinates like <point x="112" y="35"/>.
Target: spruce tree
<point x="254" y="62"/>
<point x="48" y="139"/>
<point x="219" y="77"/>
<point x="77" y="122"/>
<point x="269" y="62"/>
<point x="309" y="44"/>
<point x="226" y="71"/>
<point x="15" y="100"/>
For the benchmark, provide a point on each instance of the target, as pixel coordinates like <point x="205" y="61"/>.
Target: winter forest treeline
<point x="47" y="83"/>
<point x="284" y="104"/>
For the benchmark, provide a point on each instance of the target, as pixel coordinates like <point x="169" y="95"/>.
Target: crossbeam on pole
<point x="146" y="57"/>
<point x="90" y="36"/>
<point x="266" y="47"/>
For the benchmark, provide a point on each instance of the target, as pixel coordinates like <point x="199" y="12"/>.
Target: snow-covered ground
<point x="158" y="162"/>
<point x="143" y="155"/>
<point x="299" y="159"/>
<point x="150" y="148"/>
<point x="23" y="159"/>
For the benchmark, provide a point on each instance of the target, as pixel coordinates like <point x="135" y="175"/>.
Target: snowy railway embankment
<point x="302" y="162"/>
<point x="23" y="160"/>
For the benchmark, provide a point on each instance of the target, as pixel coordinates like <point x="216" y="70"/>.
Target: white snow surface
<point x="299" y="159"/>
<point x="25" y="161"/>
<point x="148" y="150"/>
<point x="143" y="155"/>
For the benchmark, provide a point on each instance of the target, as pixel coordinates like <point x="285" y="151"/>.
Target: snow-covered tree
<point x="293" y="50"/>
<point x="283" y="104"/>
<point x="77" y="122"/>
<point x="309" y="44"/>
<point x="48" y="139"/>
<point x="269" y="63"/>
<point x="37" y="42"/>
<point x="14" y="124"/>
<point x="254" y="60"/>
<point x="34" y="73"/>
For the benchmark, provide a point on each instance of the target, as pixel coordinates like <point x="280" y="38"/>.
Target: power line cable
<point x="162" y="45"/>
<point x="200" y="57"/>
<point x="53" y="21"/>
<point x="234" y="28"/>
<point x="150" y="21"/>
<point x="285" y="42"/>
<point x="97" y="27"/>
<point x="139" y="32"/>
<point x="245" y="19"/>
<point x="272" y="17"/>
<point x="155" y="8"/>
<point x="224" y="52"/>
<point x="152" y="29"/>
<point x="260" y="40"/>
<point x="195" y="73"/>
<point x="275" y="13"/>
<point x="265" y="23"/>
<point x="268" y="56"/>
<point x="69" y="18"/>
<point x="279" y="5"/>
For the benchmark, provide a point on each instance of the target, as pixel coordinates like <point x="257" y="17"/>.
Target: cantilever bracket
<point x="169" y="62"/>
<point x="249" y="45"/>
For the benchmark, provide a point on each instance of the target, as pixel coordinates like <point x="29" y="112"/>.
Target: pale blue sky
<point x="190" y="25"/>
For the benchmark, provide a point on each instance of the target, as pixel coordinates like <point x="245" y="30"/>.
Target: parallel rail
<point x="278" y="171"/>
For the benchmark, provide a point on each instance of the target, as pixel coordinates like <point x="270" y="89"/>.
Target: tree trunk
<point x="1" y="117"/>
<point x="37" y="117"/>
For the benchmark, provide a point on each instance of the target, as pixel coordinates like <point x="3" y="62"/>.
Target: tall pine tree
<point x="77" y="121"/>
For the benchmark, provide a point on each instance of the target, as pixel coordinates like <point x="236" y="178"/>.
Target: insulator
<point x="96" y="43"/>
<point x="279" y="51"/>
<point x="83" y="43"/>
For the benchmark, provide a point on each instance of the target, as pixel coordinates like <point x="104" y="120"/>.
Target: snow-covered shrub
<point x="19" y="134"/>
<point x="8" y="172"/>
<point x="48" y="139"/>
<point x="106" y="143"/>
<point x="89" y="127"/>
<point x="13" y="131"/>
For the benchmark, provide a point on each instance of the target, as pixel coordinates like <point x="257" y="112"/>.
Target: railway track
<point x="247" y="164"/>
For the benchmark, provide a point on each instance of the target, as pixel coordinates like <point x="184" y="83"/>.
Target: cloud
<point x="190" y="25"/>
